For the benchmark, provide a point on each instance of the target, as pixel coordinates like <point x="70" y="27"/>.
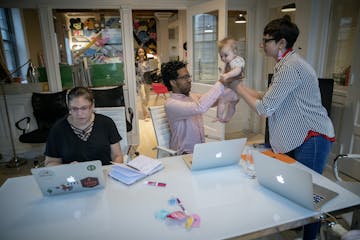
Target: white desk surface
<point x="228" y="203"/>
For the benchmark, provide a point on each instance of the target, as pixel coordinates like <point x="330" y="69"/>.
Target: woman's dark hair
<point x="137" y="54"/>
<point x="283" y="28"/>
<point x="80" y="92"/>
<point x="169" y="72"/>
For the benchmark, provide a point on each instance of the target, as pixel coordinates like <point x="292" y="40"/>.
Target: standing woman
<point x="298" y="123"/>
<point x="143" y="81"/>
<point x="83" y="135"/>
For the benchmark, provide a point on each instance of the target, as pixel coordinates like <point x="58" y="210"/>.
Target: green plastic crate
<point x="107" y="74"/>
<point x="65" y="73"/>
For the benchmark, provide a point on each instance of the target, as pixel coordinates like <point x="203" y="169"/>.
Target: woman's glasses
<point x="82" y="109"/>
<point x="265" y="40"/>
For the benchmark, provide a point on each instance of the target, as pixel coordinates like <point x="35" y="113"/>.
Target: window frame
<point x="10" y="52"/>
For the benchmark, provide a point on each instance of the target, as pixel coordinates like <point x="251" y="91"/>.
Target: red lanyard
<point x="286" y="52"/>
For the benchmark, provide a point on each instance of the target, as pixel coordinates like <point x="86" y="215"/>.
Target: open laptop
<point x="290" y="182"/>
<point x="69" y="178"/>
<point x="215" y="154"/>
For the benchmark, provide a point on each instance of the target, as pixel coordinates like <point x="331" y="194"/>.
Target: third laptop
<point x="293" y="183"/>
<point x="215" y="154"/>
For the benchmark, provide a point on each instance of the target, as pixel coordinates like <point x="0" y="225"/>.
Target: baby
<point x="234" y="71"/>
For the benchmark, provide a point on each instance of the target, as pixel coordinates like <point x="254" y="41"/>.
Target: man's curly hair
<point x="169" y="72"/>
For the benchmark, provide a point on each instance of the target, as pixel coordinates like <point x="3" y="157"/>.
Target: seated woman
<point x="83" y="135"/>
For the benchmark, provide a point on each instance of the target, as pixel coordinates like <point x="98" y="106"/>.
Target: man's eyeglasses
<point x="265" y="40"/>
<point x="77" y="109"/>
<point x="185" y="77"/>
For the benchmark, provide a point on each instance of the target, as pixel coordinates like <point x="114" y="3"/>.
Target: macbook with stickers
<point x="69" y="178"/>
<point x="215" y="154"/>
<point x="291" y="182"/>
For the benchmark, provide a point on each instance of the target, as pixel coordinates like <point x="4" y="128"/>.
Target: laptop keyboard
<point x="317" y="198"/>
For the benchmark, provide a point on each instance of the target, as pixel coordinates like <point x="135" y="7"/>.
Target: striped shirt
<point x="293" y="104"/>
<point x="185" y="118"/>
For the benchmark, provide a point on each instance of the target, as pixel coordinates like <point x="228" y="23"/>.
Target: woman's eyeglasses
<point x="82" y="109"/>
<point x="265" y="40"/>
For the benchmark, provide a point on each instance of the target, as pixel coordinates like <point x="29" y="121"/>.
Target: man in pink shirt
<point x="184" y="111"/>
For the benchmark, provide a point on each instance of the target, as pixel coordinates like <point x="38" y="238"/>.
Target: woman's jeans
<point x="313" y="153"/>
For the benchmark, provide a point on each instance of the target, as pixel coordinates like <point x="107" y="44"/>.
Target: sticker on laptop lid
<point x="91" y="167"/>
<point x="89" y="182"/>
<point x="46" y="173"/>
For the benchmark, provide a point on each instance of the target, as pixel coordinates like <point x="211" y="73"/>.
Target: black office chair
<point x="47" y="109"/>
<point x="113" y="97"/>
<point x="326" y="86"/>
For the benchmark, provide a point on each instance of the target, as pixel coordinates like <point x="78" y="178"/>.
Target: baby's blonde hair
<point x="229" y="41"/>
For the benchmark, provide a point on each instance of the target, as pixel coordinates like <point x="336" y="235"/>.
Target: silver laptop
<point x="215" y="154"/>
<point x="290" y="182"/>
<point x="69" y="178"/>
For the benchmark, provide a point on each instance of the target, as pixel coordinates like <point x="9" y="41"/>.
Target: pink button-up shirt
<point x="184" y="114"/>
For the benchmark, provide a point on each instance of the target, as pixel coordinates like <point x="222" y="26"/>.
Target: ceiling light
<point x="240" y="19"/>
<point x="208" y="29"/>
<point x="289" y="8"/>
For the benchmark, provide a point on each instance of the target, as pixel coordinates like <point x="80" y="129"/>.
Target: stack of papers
<point x="135" y="170"/>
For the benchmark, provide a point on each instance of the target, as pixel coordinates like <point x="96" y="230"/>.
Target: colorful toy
<point x="76" y="26"/>
<point x="180" y="217"/>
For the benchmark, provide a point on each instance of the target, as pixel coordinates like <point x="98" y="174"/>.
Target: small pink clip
<point x="157" y="184"/>
<point x="177" y="215"/>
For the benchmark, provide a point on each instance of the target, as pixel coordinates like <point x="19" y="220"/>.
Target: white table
<point x="229" y="204"/>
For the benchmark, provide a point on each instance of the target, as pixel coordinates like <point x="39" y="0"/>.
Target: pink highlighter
<point x="157" y="184"/>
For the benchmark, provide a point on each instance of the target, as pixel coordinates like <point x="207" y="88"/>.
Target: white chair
<point x="344" y="163"/>
<point x="162" y="131"/>
<point x="117" y="114"/>
<point x="214" y="131"/>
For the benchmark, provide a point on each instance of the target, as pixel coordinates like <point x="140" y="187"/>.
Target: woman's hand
<point x="240" y="88"/>
<point x="51" y="161"/>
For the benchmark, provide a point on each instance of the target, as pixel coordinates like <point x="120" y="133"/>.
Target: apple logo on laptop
<point x="218" y="155"/>
<point x="70" y="179"/>
<point x="280" y="179"/>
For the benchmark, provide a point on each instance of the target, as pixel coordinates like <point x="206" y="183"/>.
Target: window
<point x="8" y="38"/>
<point x="205" y="47"/>
<point x="342" y="40"/>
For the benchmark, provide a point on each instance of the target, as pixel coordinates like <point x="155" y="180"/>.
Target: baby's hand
<point x="222" y="77"/>
<point x="226" y="79"/>
<point x="239" y="77"/>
